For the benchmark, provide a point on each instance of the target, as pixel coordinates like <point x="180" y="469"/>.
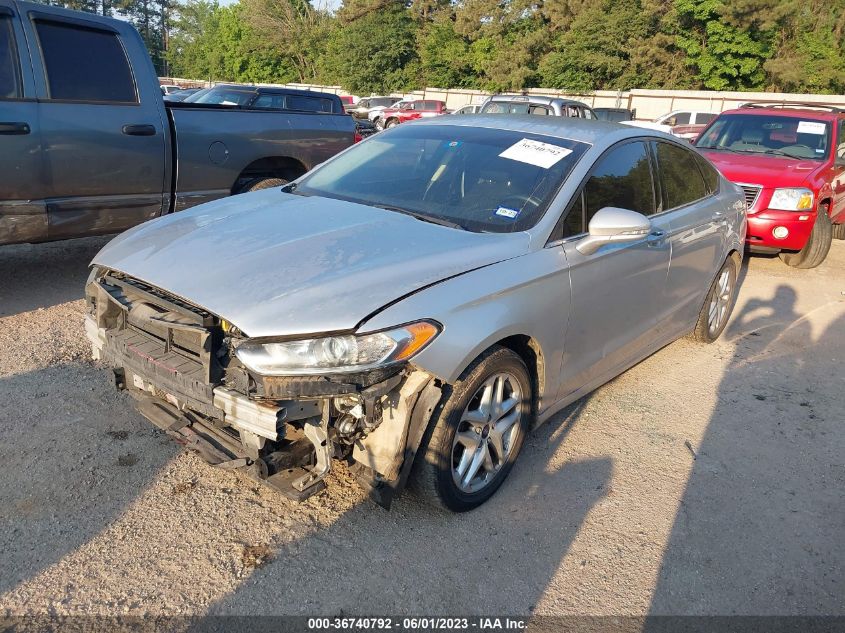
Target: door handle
<point x="139" y="130"/>
<point x="16" y="128"/>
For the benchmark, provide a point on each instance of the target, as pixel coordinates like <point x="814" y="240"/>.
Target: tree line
<point x="382" y="46"/>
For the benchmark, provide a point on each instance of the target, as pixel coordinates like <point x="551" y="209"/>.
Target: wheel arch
<point x="285" y="167"/>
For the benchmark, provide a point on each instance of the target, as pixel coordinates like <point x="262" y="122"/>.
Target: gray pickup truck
<point x="89" y="147"/>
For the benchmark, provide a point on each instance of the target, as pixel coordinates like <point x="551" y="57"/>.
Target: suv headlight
<point x="792" y="199"/>
<point x="337" y="354"/>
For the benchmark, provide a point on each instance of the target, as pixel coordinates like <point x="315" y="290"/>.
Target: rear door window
<point x="85" y="64"/>
<point x="308" y="104"/>
<point x="10" y="76"/>
<point x="680" y="176"/>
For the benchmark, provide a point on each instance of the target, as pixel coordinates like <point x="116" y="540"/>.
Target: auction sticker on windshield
<point x="536" y="153"/>
<point x="811" y="127"/>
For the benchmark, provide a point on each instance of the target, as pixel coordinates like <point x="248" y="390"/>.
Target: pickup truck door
<point x="22" y="210"/>
<point x="102" y="121"/>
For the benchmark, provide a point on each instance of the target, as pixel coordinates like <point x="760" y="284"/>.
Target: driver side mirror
<point x="611" y="225"/>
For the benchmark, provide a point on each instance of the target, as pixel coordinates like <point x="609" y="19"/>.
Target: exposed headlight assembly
<point x="337" y="354"/>
<point x="792" y="199"/>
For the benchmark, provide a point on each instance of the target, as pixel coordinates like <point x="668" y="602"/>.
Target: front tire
<point x="379" y="123"/>
<point x="817" y="246"/>
<point x="474" y="439"/>
<point x="392" y="123"/>
<point x="718" y="305"/>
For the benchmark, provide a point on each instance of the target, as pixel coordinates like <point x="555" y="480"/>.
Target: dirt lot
<point x="706" y="480"/>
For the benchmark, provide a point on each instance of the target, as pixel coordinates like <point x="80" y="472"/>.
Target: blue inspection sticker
<point x="511" y="214"/>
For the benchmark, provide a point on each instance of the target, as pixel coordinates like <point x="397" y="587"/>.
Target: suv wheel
<point x="392" y="123"/>
<point x="379" y="123"/>
<point x="718" y="305"/>
<point x="817" y="246"/>
<point x="474" y="439"/>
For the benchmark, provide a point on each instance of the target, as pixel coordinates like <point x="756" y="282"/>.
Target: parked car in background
<point x="419" y="109"/>
<point x="90" y="147"/>
<point x="615" y="114"/>
<point x="348" y="101"/>
<point x="181" y="95"/>
<point x="684" y="124"/>
<point x="417" y="304"/>
<point x="376" y="114"/>
<point x="167" y="89"/>
<point x="790" y="161"/>
<point x="536" y="104"/>
<point x="472" y="108"/>
<point x="362" y="109"/>
<point x="364" y="129"/>
<point x="268" y="98"/>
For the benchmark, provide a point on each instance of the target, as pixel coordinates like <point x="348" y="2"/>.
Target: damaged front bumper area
<point x="178" y="362"/>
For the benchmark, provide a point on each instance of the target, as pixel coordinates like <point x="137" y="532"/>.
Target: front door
<point x="22" y="211"/>
<point x="618" y="292"/>
<point x="104" y="146"/>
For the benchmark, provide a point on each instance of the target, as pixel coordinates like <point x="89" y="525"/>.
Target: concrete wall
<point x="649" y="104"/>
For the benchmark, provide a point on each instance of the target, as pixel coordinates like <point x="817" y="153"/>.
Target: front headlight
<point x="792" y="199"/>
<point x="337" y="354"/>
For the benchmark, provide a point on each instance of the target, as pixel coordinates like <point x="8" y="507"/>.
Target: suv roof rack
<point x="792" y="104"/>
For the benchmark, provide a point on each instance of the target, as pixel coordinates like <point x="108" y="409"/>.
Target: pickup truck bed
<point x="89" y="147"/>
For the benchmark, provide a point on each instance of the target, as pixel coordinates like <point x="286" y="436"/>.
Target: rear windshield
<point x="792" y="137"/>
<point x="480" y="179"/>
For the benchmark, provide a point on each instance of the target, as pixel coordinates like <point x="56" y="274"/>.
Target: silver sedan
<point x="418" y="303"/>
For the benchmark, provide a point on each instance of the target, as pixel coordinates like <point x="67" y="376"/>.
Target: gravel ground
<point x="706" y="480"/>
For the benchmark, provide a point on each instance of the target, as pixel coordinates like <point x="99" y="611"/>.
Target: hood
<point x="768" y="171"/>
<point x="276" y="264"/>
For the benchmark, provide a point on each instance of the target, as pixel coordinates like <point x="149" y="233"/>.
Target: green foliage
<point x="375" y="52"/>
<point x="580" y="45"/>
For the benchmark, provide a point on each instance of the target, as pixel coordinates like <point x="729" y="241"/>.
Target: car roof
<point x="792" y="111"/>
<point x="538" y="99"/>
<point x="573" y="128"/>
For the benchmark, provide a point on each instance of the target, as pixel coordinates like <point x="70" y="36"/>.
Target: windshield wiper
<point x="434" y="219"/>
<point x="779" y="152"/>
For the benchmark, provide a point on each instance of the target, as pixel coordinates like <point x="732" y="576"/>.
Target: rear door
<point x="102" y="125"/>
<point x="22" y="210"/>
<point x="697" y="218"/>
<point x="619" y="292"/>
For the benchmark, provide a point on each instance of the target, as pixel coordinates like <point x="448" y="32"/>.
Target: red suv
<point x="413" y="110"/>
<point x="790" y="161"/>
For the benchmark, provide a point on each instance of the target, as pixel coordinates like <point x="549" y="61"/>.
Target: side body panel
<point x="213" y="146"/>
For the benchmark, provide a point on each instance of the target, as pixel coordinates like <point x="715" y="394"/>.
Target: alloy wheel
<point x="720" y="302"/>
<point x="487" y="433"/>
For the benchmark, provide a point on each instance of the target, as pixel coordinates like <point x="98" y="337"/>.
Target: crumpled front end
<point x="178" y="361"/>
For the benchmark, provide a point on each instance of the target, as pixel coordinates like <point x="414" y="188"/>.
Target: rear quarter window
<point x="84" y="64"/>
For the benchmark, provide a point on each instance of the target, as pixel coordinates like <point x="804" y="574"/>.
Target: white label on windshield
<point x="535" y="153"/>
<point x="811" y="127"/>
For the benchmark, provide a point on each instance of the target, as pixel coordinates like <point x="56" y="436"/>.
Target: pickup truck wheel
<point x="817" y="246"/>
<point x="474" y="439"/>
<point x="262" y="183"/>
<point x="718" y="304"/>
<point x="839" y="231"/>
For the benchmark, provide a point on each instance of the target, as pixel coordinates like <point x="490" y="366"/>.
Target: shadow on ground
<point x="759" y="529"/>
<point x="498" y="558"/>
<point x="34" y="276"/>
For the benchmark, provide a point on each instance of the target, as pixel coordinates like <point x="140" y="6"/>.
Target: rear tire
<point x="258" y="184"/>
<point x="471" y="443"/>
<point x="718" y="304"/>
<point x="839" y="231"/>
<point x="817" y="246"/>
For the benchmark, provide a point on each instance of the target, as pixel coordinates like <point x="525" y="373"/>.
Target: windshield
<point x="477" y="178"/>
<point x="788" y="136"/>
<point x="220" y="95"/>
